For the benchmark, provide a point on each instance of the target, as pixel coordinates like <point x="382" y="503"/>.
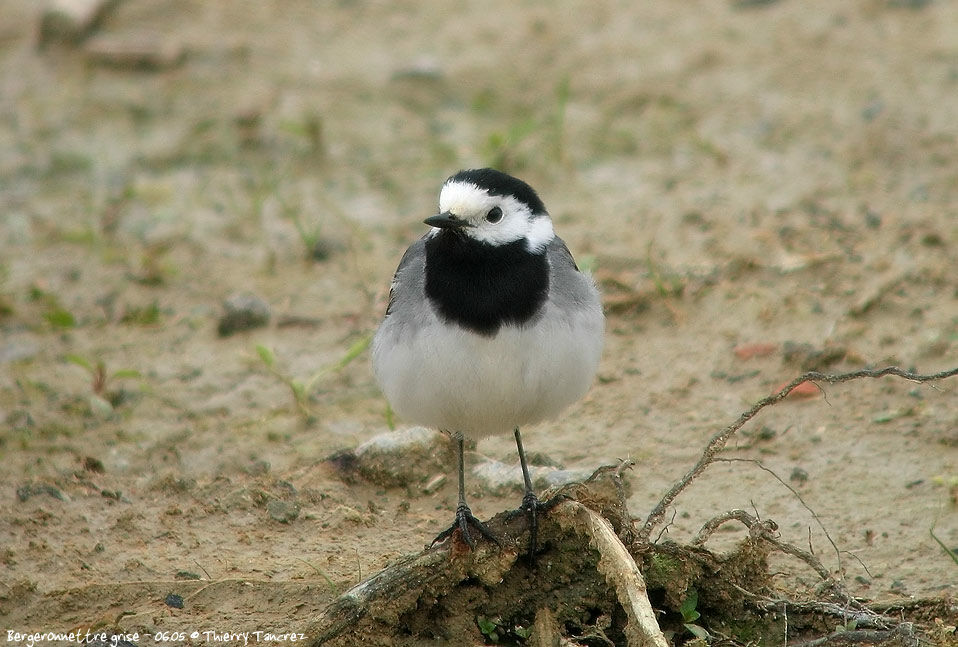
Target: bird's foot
<point x="464" y="519"/>
<point x="532" y="507"/>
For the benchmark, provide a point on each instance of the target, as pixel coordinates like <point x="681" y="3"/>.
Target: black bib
<point x="481" y="286"/>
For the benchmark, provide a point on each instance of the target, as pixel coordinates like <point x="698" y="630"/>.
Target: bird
<point x="490" y="326"/>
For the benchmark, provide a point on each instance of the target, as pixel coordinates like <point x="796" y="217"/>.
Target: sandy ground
<point x="735" y="173"/>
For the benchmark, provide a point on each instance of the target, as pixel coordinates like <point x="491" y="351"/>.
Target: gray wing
<point x="409" y="278"/>
<point x="569" y="287"/>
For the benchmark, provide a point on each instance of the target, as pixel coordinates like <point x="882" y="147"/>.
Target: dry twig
<point x="903" y="634"/>
<point x="717" y="443"/>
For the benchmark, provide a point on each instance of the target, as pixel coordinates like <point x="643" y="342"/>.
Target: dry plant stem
<point x="719" y="440"/>
<point x="620" y="571"/>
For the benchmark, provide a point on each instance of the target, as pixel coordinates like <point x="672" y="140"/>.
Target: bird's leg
<point x="530" y="502"/>
<point x="531" y="505"/>
<point x="464" y="516"/>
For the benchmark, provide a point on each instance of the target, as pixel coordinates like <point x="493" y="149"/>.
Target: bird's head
<point x="494" y="208"/>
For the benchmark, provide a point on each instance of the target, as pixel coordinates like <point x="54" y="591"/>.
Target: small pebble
<point x="499" y="478"/>
<point x="398" y="458"/>
<point x="70" y="21"/>
<point x="425" y="68"/>
<point x="320" y="250"/>
<point x="243" y="311"/>
<point x="175" y="601"/>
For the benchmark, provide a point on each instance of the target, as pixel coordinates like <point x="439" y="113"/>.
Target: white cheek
<point x="508" y="230"/>
<point x="540" y="233"/>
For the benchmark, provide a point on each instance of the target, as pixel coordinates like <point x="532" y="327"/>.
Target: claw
<point x="464" y="519"/>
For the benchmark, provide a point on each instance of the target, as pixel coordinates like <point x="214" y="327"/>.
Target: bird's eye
<point x="494" y="215"/>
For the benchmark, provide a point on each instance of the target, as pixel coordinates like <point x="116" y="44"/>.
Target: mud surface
<point x="759" y="188"/>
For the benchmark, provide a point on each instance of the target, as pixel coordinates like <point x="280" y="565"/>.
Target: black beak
<point x="446" y="220"/>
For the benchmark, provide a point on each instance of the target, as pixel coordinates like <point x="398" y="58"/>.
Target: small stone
<point x="425" y="68"/>
<point x="320" y="250"/>
<point x="498" y="478"/>
<point x="243" y="311"/>
<point x="282" y="511"/>
<point x="398" y="458"/>
<point x="546" y="477"/>
<point x="873" y="109"/>
<point x="872" y="219"/>
<point x="70" y="21"/>
<point x="175" y="601"/>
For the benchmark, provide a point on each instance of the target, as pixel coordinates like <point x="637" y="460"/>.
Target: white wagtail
<point x="490" y="325"/>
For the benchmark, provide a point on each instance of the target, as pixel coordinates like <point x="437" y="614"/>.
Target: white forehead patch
<point x="472" y="203"/>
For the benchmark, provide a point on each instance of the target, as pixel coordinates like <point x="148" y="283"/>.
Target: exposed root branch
<point x="847" y="607"/>
<point x="903" y="635"/>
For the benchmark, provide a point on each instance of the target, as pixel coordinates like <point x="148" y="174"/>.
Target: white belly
<point x="452" y="379"/>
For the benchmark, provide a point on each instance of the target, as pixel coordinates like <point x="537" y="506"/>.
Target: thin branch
<point x="798" y="496"/>
<point x="746" y="519"/>
<point x="759" y="529"/>
<point x="849" y="609"/>
<point x="861" y="616"/>
<point x="719" y="440"/>
<point x="903" y="634"/>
